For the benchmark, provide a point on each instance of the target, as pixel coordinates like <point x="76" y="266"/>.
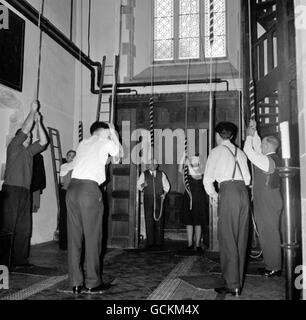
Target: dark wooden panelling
<point x="170" y="114"/>
<point x="122" y="197"/>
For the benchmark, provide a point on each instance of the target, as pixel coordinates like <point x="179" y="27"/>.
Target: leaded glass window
<point x="189" y="29"/>
<point x="180" y="32"/>
<point x="163" y="30"/>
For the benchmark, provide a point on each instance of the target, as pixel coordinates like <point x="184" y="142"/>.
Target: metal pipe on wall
<point x="71" y="17"/>
<point x="94" y="67"/>
<point x="168" y="83"/>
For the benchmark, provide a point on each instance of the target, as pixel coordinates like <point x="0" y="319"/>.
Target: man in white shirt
<point x="85" y="207"/>
<point x="227" y="165"/>
<point x="154" y="181"/>
<point x="66" y="169"/>
<point x="267" y="197"/>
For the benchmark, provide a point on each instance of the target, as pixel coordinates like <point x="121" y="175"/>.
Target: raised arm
<point x="114" y="137"/>
<point x="182" y="163"/>
<point x="254" y="154"/>
<point x="29" y="121"/>
<point x="42" y="136"/>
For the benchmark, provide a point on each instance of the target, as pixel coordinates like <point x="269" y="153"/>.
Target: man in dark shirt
<point x="16" y="218"/>
<point x="267" y="197"/>
<point x="149" y="182"/>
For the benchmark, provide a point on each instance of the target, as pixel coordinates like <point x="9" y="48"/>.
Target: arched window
<point x="189" y="29"/>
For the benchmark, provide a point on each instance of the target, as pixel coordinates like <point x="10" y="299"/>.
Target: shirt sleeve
<point x="244" y="168"/>
<point x="209" y="175"/>
<point x="257" y="142"/>
<point x="113" y="149"/>
<point x="63" y="170"/>
<point x="257" y="158"/>
<point x="140" y="181"/>
<point x="35" y="148"/>
<point x="66" y="168"/>
<point x="166" y="184"/>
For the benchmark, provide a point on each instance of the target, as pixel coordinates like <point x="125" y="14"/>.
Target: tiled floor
<point x="138" y="275"/>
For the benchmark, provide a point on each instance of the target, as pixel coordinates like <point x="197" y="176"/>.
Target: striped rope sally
<point x="211" y="22"/>
<point x="151" y="105"/>
<point x="80" y="131"/>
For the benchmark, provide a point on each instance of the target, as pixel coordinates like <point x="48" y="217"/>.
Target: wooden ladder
<point x="107" y="100"/>
<point x="57" y="160"/>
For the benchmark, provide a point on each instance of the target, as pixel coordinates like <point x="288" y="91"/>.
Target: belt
<point x="84" y="181"/>
<point x="231" y="181"/>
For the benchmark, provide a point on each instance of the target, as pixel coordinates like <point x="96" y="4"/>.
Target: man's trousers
<point x="154" y="229"/>
<point x="16" y="219"/>
<point x="84" y="220"/>
<point x="268" y="206"/>
<point x="233" y="231"/>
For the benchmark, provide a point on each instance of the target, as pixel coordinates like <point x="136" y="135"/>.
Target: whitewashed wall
<point x="57" y="101"/>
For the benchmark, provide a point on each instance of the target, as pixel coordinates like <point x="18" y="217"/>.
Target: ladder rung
<point x="268" y="115"/>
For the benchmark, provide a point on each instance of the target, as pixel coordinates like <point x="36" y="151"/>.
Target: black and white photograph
<point x="152" y="153"/>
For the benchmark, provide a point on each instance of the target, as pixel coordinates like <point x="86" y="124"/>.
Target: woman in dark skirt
<point x="197" y="216"/>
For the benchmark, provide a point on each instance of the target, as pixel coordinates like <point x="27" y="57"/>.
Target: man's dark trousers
<point x="16" y="219"/>
<point x="268" y="206"/>
<point x="233" y="231"/>
<point x="154" y="229"/>
<point x="84" y="219"/>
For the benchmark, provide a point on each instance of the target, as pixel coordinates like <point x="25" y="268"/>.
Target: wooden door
<point x="123" y="219"/>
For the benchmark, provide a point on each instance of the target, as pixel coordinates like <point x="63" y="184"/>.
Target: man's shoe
<point x="97" y="290"/>
<point x="200" y="250"/>
<point x="77" y="289"/>
<point x="190" y="247"/>
<point x="270" y="273"/>
<point x="234" y="292"/>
